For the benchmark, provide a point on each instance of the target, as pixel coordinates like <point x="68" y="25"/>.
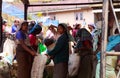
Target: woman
<point x="24" y="54"/>
<point x="74" y="32"/>
<point x="51" y="32"/>
<point x="60" y="53"/>
<point x="33" y="39"/>
<point x="84" y="47"/>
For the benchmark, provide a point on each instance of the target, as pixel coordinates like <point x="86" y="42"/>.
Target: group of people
<point x="87" y="44"/>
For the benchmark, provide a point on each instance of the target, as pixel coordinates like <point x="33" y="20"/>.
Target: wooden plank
<point x="104" y="37"/>
<point x="25" y="11"/>
<point x="112" y="53"/>
<point x="25" y="1"/>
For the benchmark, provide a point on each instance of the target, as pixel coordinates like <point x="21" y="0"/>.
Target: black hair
<point x="77" y="25"/>
<point x="116" y="31"/>
<point x="24" y="23"/>
<point x="64" y="26"/>
<point x="48" y="41"/>
<point x="4" y="22"/>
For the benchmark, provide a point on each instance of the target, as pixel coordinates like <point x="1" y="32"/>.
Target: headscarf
<point x="67" y="31"/>
<point x="37" y="27"/>
<point x="84" y="34"/>
<point x="92" y="25"/>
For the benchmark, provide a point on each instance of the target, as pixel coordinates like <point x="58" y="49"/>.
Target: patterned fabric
<point x="84" y="38"/>
<point x="84" y="34"/>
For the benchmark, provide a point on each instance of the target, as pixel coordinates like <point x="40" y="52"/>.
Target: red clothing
<point x="3" y="28"/>
<point x="74" y="33"/>
<point x="33" y="41"/>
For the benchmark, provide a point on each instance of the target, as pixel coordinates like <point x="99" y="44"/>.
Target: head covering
<point x="84" y="34"/>
<point x="92" y="25"/>
<point x="67" y="31"/>
<point x="37" y="27"/>
<point x="4" y="21"/>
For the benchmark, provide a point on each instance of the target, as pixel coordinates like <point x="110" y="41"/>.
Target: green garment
<point x="41" y="47"/>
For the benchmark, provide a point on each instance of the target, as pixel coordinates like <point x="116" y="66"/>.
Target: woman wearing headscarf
<point x="33" y="39"/>
<point x="24" y="53"/>
<point x="60" y="52"/>
<point x="84" y="47"/>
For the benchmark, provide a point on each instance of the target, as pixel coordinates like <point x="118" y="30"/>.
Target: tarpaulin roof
<point x="12" y="10"/>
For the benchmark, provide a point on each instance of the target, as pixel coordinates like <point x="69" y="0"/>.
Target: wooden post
<point x="104" y="38"/>
<point x="25" y="11"/>
<point x="0" y="23"/>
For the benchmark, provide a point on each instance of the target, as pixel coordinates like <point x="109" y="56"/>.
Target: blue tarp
<point x="51" y="22"/>
<point x="48" y="21"/>
<point x="12" y="10"/>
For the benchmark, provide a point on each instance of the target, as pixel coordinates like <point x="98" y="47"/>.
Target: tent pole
<point x="0" y="24"/>
<point x="25" y="11"/>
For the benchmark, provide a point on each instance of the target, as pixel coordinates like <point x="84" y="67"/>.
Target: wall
<point x="69" y="17"/>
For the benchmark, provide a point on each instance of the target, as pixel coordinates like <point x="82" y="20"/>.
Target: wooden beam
<point x="25" y="1"/>
<point x="25" y="11"/>
<point x="62" y="4"/>
<point x="112" y="53"/>
<point x="66" y="4"/>
<point x="0" y="23"/>
<point x="104" y="38"/>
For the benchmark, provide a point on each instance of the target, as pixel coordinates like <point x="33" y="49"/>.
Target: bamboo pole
<point x="104" y="37"/>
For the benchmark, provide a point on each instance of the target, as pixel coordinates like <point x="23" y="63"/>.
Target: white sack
<point x="38" y="66"/>
<point x="74" y="64"/>
<point x="9" y="50"/>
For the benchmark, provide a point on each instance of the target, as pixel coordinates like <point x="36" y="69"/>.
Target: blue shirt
<point x="14" y="28"/>
<point x="20" y="35"/>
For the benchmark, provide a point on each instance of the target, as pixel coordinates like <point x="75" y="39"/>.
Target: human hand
<point x="34" y="53"/>
<point x="48" y="56"/>
<point x="117" y="68"/>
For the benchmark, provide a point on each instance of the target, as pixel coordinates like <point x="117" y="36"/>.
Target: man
<point x="14" y="26"/>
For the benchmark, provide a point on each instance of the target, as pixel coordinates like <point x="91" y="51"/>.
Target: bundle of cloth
<point x="9" y="51"/>
<point x="73" y="64"/>
<point x="41" y="60"/>
<point x="38" y="66"/>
